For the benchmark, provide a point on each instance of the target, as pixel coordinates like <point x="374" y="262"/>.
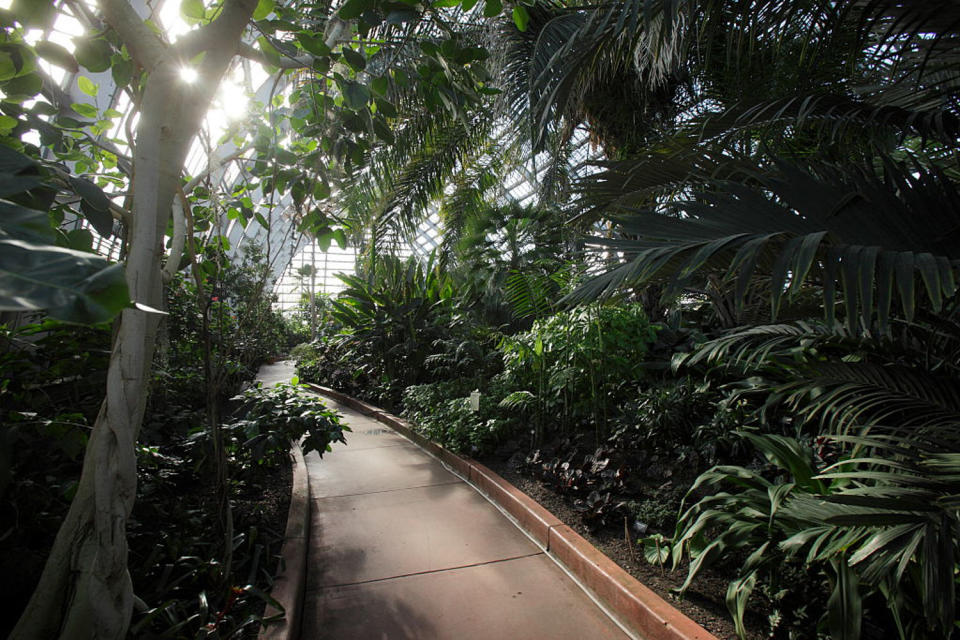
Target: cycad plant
<point x="881" y="521"/>
<point x="866" y="487"/>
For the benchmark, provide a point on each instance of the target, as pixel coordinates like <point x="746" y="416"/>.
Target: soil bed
<point x="703" y="602"/>
<point x="265" y="505"/>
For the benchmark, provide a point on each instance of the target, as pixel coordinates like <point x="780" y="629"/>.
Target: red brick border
<point x="532" y="517"/>
<point x="634" y="604"/>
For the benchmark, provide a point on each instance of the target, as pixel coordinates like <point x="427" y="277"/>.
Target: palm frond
<point x="532" y="294"/>
<point x="797" y="231"/>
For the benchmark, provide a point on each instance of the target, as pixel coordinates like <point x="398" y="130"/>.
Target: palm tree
<point x="808" y="159"/>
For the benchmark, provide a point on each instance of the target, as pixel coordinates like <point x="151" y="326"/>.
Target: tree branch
<point x="218" y="41"/>
<point x="144" y="45"/>
<point x="288" y="62"/>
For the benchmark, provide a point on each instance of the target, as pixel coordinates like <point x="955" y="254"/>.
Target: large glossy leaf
<point x="844" y="605"/>
<point x="94" y="204"/>
<point x="35" y="275"/>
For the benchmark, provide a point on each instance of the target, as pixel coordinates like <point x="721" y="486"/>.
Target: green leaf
<point x="13" y="161"/>
<point x="382" y="131"/>
<point x="33" y="13"/>
<point x="493" y="8"/>
<point x="352" y="9"/>
<point x="193" y="9"/>
<point x="520" y="17"/>
<point x="355" y="94"/>
<point x="738" y="593"/>
<point x="8" y="67"/>
<point x="85" y="110"/>
<point x="656" y="549"/>
<point x="12" y="184"/>
<point x="264" y="8"/>
<point x="79" y="240"/>
<point x="57" y="55"/>
<point x="21" y="223"/>
<point x="24" y="58"/>
<point x="88" y="86"/>
<point x="95" y="205"/>
<point x="402" y="16"/>
<point x="7" y="123"/>
<point x="385" y="108"/>
<point x="324" y="239"/>
<point x="356" y="60"/>
<point x="844" y="607"/>
<point x="93" y="53"/>
<point x="271" y="53"/>
<point x="71" y="285"/>
<point x="313" y="44"/>
<point x="380" y="85"/>
<point x="25" y="86"/>
<point x="122" y="71"/>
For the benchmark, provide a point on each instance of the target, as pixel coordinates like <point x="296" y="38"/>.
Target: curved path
<point x="402" y="548"/>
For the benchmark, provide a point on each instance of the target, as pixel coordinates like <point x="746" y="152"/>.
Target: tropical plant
<point x="273" y="417"/>
<point x="676" y="428"/>
<point x="511" y="263"/>
<point x="43" y="267"/>
<point x="574" y="363"/>
<point x="327" y="48"/>
<point x="880" y="521"/>
<point x="870" y="239"/>
<point x="836" y="382"/>
<point x="441" y="411"/>
<point x="863" y="490"/>
<point x="391" y="320"/>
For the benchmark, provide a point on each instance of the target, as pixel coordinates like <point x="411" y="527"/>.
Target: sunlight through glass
<point x="188" y="75"/>
<point x="232" y="100"/>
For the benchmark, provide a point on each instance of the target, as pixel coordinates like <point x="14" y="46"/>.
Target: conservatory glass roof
<point x="219" y="154"/>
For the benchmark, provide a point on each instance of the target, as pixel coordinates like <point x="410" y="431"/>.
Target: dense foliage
<point x="54" y="374"/>
<point x="573" y="365"/>
<point x="763" y="162"/>
<point x="750" y="301"/>
<point x="275" y="417"/>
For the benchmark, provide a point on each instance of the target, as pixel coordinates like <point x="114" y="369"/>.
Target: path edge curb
<point x="634" y="604"/>
<point x="288" y="585"/>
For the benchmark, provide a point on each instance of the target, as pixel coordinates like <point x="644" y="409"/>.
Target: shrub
<point x="276" y="415"/>
<point x="441" y="411"/>
<point x="577" y="362"/>
<point x="273" y="416"/>
<point x="680" y="424"/>
<point x="879" y="524"/>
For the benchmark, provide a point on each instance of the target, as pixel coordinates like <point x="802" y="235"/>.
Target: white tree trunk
<point x="85" y="590"/>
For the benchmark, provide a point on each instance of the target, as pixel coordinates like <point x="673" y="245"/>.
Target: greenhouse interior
<point x="470" y="319"/>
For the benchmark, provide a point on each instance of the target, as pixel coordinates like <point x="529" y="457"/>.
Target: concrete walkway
<point x="401" y="548"/>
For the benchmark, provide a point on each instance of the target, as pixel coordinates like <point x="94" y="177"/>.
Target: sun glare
<point x="232" y="100"/>
<point x="188" y="75"/>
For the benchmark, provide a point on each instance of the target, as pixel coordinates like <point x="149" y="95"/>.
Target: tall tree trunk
<point x="85" y="589"/>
